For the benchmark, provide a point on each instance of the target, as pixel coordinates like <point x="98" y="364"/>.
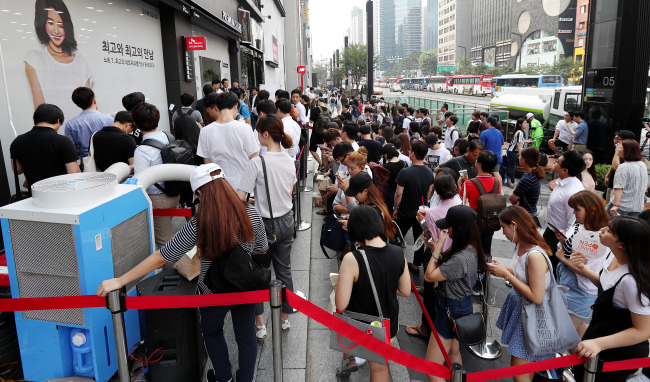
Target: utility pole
<point x="338" y="61"/>
<point x="345" y="50"/>
<point x="370" y="51"/>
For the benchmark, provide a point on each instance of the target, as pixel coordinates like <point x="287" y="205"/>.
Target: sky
<point x="329" y="20"/>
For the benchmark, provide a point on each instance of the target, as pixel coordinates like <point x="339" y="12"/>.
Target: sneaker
<point x="477" y="290"/>
<point x="508" y="284"/>
<point x="360" y="361"/>
<point x="286" y="325"/>
<point x="639" y="378"/>
<point x="348" y="366"/>
<point x="260" y="332"/>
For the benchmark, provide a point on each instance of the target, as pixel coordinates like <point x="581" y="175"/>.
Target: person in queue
<point x="620" y="324"/>
<point x="356" y="162"/>
<point x="281" y="176"/>
<point x="455" y="270"/>
<point x="221" y="223"/>
<point x="389" y="270"/>
<point x="394" y="165"/>
<point x="365" y="193"/>
<point x="531" y="252"/>
<point x="527" y="191"/>
<point x="591" y="217"/>
<point x="630" y="181"/>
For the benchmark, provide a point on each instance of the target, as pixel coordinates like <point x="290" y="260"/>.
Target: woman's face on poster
<point x="54" y="27"/>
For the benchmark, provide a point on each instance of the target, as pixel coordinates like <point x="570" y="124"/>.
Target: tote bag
<point x="89" y="160"/>
<point x="547" y="327"/>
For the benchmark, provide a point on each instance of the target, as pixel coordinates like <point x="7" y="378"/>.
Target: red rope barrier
<point x="433" y="329"/>
<point x="51" y="303"/>
<point x="343" y="328"/>
<point x="184" y="212"/>
<point x="533" y="367"/>
<point x="635" y="363"/>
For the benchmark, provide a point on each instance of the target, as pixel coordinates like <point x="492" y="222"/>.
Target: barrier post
<point x="489" y="348"/>
<point x="303" y="171"/>
<point x="116" y="304"/>
<point x="276" y="325"/>
<point x="457" y="373"/>
<point x="299" y="224"/>
<point x="591" y="368"/>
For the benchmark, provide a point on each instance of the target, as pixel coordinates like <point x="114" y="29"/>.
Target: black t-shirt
<point x="387" y="265"/>
<point x="461" y="163"/>
<point x="374" y="149"/>
<point x="399" y="124"/>
<point x="347" y="115"/>
<point x="314" y="114"/>
<point x="425" y="122"/>
<point x="111" y="145"/>
<point x="416" y="181"/>
<point x="473" y="128"/>
<point x="43" y="153"/>
<point x="394" y="168"/>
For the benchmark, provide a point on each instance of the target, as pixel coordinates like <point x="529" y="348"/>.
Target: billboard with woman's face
<point x="50" y="47"/>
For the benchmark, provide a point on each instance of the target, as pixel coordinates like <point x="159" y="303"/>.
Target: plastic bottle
<point x="82" y="353"/>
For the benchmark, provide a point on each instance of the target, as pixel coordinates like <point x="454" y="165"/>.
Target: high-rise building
<point x="492" y="35"/>
<point x="454" y="32"/>
<point x="582" y="11"/>
<point x="430" y="28"/>
<point x="408" y="27"/>
<point x="387" y="54"/>
<point x="357" y="26"/>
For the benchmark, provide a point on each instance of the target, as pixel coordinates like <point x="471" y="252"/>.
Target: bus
<point x="472" y="84"/>
<point x="528" y="81"/>
<point x="405" y="83"/>
<point x="437" y="84"/>
<point x="418" y="83"/>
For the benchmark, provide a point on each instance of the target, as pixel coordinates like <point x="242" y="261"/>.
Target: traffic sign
<point x="195" y="43"/>
<point x="302" y="69"/>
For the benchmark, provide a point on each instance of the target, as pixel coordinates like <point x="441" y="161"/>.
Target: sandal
<point x="416" y="331"/>
<point x="348" y="366"/>
<point x="260" y="332"/>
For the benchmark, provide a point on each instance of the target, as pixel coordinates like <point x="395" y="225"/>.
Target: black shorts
<point x="315" y="140"/>
<point x="562" y="144"/>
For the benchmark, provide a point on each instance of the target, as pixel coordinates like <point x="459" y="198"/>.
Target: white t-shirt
<point x="405" y="158"/>
<point x="229" y="145"/>
<point x="517" y="138"/>
<point x="355" y="146"/>
<point x="519" y="266"/>
<point x="626" y="293"/>
<point x="565" y="134"/>
<point x="594" y="264"/>
<point x="451" y="135"/>
<point x="293" y="130"/>
<point x="281" y="173"/>
<point x="58" y="80"/>
<point x="435" y="157"/>
<point x="147" y="156"/>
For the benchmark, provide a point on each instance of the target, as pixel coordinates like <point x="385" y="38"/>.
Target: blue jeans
<point x="511" y="164"/>
<point x="620" y="211"/>
<point x="243" y="322"/>
<point x="486" y="241"/>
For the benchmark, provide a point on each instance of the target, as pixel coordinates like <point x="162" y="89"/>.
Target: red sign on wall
<point x="195" y="43"/>
<point x="302" y="69"/>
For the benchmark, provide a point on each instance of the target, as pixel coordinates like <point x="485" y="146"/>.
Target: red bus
<point x="471" y="84"/>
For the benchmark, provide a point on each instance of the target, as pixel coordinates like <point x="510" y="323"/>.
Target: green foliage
<point x="355" y="63"/>
<point x="567" y="68"/>
<point x="409" y="64"/>
<point x="464" y="66"/>
<point x="601" y="171"/>
<point x="320" y="68"/>
<point x="428" y="62"/>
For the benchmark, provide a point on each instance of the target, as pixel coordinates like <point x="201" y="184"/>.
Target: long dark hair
<point x="633" y="232"/>
<point x="40" y="18"/>
<point x="376" y="199"/>
<point x="463" y="237"/>
<point x="221" y="219"/>
<point x="526" y="227"/>
<point x="273" y="125"/>
<point x="530" y="155"/>
<point x="591" y="170"/>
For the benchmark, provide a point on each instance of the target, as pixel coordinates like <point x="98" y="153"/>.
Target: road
<point x="452" y="98"/>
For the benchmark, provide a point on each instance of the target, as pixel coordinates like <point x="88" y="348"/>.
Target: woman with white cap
<point x="221" y="222"/>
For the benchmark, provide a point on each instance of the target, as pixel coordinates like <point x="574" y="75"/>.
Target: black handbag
<point x="264" y="259"/>
<point x="469" y="329"/>
<point x="19" y="195"/>
<point x="236" y="271"/>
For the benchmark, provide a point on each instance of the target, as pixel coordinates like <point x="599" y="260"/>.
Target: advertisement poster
<point x="589" y="244"/>
<point x="50" y="47"/>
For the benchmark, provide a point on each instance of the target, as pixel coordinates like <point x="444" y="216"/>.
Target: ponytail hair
<point x="530" y="155"/>
<point x="273" y="125"/>
<point x="359" y="158"/>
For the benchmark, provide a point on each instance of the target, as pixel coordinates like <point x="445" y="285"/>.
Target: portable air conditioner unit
<point x="76" y="231"/>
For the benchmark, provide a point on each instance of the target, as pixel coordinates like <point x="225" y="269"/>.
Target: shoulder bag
<point x="236" y="271"/>
<point x="547" y="327"/>
<point x="89" y="161"/>
<point x="377" y="327"/>
<point x="264" y="259"/>
<point x="469" y="329"/>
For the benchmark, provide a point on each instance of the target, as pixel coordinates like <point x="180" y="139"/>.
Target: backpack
<point x="489" y="207"/>
<point x="189" y="113"/>
<point x="324" y="117"/>
<point x="380" y="175"/>
<point x="332" y="235"/>
<point x="176" y="151"/>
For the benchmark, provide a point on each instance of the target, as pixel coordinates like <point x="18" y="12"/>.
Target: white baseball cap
<point x="530" y="115"/>
<point x="201" y="175"/>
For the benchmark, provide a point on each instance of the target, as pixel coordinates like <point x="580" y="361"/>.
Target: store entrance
<point x="210" y="70"/>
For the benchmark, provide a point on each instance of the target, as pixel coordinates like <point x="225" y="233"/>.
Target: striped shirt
<point x="516" y="139"/>
<point x="632" y="177"/>
<point x="528" y="190"/>
<point x="185" y="240"/>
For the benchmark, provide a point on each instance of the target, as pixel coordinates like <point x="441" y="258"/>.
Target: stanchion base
<point x="303" y="225"/>
<point x="306" y="189"/>
<point x="490" y="349"/>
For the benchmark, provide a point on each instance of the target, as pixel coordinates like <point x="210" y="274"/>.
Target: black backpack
<point x="176" y="151"/>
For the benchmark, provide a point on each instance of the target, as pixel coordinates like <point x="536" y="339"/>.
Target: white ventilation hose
<point x="121" y="170"/>
<point x="163" y="173"/>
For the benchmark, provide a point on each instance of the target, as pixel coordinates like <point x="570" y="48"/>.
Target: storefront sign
<point x="230" y="21"/>
<point x="599" y="84"/>
<point x="565" y="31"/>
<point x="566" y="19"/>
<point x="276" y="55"/>
<point x="302" y="69"/>
<point x="195" y="43"/>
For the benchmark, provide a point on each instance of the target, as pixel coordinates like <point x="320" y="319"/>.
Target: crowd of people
<point x="391" y="169"/>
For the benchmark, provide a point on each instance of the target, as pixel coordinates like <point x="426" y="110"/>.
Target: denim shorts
<point x="579" y="301"/>
<point x="457" y="308"/>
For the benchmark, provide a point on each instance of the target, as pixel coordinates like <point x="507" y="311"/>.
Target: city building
<point x="544" y="30"/>
<point x="582" y="13"/>
<point x="491" y="35"/>
<point x="387" y="54"/>
<point x="430" y="27"/>
<point x="274" y="46"/>
<point x="298" y="40"/>
<point x="454" y="32"/>
<point x="408" y="27"/>
<point x="357" y="31"/>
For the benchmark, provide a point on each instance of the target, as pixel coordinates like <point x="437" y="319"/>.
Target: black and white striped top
<point x="185" y="240"/>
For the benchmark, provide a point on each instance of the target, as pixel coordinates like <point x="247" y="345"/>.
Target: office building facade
<point x="454" y="32"/>
<point x="491" y="34"/>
